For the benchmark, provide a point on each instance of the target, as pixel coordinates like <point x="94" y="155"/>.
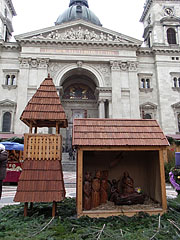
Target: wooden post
<point x="30" y="128"/>
<point x="54" y="209"/>
<point x="162" y="177"/>
<point x="57" y="128"/>
<point x="80" y="182"/>
<point x="25" y="209"/>
<point x="35" y="130"/>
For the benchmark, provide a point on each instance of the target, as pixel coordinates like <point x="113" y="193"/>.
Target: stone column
<point x="134" y="90"/>
<point x="110" y="108"/>
<point x="22" y="95"/>
<point x="101" y="108"/>
<point x="116" y="89"/>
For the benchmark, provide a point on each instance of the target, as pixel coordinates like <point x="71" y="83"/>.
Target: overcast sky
<point x="118" y="15"/>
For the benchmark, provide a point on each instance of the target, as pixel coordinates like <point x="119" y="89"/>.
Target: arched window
<point x="171" y="36"/>
<point x="147" y="83"/>
<point x="78" y="91"/>
<point x="142" y="83"/>
<point x="147" y="116"/>
<point x="175" y="82"/>
<point x="179" y="122"/>
<point x="13" y="80"/>
<point x="6" y="127"/>
<point x="8" y="80"/>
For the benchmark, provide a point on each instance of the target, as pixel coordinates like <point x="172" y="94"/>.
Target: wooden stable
<point x="42" y="179"/>
<point x="136" y="146"/>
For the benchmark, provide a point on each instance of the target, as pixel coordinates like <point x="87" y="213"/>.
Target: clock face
<point x="168" y="11"/>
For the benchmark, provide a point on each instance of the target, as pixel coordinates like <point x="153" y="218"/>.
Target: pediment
<point x="78" y="31"/>
<point x="7" y="103"/>
<point x="176" y="105"/>
<point x="170" y="19"/>
<point x="148" y="105"/>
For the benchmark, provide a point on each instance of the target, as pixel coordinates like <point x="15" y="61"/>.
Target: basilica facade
<point x="98" y="73"/>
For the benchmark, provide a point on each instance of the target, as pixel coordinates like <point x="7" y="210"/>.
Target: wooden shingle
<point x="117" y="132"/>
<point x="44" y="109"/>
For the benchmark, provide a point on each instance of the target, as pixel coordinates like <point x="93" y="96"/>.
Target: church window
<point x="147" y="116"/>
<point x="6" y="126"/>
<point x="78" y="91"/>
<point x="145" y="83"/>
<point x="13" y="80"/>
<point x="175" y="82"/>
<point x="179" y="122"/>
<point x="171" y="36"/>
<point x="79" y="9"/>
<point x="8" y="80"/>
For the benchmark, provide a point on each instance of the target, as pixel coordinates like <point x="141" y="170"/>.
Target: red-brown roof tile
<point x="117" y="132"/>
<point x="44" y="109"/>
<point x="40" y="181"/>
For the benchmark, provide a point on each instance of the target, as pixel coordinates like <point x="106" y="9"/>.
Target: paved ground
<point x="70" y="185"/>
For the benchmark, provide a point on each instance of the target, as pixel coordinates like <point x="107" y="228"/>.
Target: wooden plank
<point x="80" y="181"/>
<point x="162" y="177"/>
<point x="104" y="214"/>
<point x="128" y="148"/>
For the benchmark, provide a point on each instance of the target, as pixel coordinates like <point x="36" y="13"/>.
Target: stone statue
<point x="104" y="187"/>
<point x="87" y="191"/>
<point x="96" y="185"/>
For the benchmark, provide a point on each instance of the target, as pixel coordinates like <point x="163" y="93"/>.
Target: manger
<point x="120" y="167"/>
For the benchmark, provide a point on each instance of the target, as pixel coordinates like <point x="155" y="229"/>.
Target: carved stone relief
<point x="82" y="34"/>
<point x="123" y="66"/>
<point x="33" y="63"/>
<point x="54" y="67"/>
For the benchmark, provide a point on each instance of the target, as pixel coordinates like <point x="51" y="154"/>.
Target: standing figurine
<point x="127" y="185"/>
<point x="87" y="191"/>
<point x="104" y="187"/>
<point x="96" y="185"/>
<point x="114" y="192"/>
<point x="3" y="162"/>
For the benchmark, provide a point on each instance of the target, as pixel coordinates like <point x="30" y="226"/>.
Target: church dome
<point x="78" y="9"/>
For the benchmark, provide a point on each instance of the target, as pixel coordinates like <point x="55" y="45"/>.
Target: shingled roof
<point x="117" y="132"/>
<point x="44" y="109"/>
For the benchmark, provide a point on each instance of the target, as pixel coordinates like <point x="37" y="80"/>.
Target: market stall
<point x="15" y="159"/>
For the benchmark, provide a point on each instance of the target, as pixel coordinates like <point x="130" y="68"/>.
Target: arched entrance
<point x="79" y="99"/>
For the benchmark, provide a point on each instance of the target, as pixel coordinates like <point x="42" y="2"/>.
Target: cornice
<point x="147" y="5"/>
<point x="11" y="7"/>
<point x="76" y="43"/>
<point x="145" y="51"/>
<point x="9" y="46"/>
<point x="159" y="50"/>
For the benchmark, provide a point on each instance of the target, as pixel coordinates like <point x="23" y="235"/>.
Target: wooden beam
<point x="25" y="209"/>
<point x="121" y="148"/>
<point x="57" y="128"/>
<point x="54" y="209"/>
<point x="30" y="127"/>
<point x="162" y="177"/>
<point x="80" y="182"/>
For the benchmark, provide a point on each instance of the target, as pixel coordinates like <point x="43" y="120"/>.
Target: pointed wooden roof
<point x="44" y="109"/>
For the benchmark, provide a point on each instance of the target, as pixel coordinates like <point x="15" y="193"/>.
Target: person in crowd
<point x="3" y="163"/>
